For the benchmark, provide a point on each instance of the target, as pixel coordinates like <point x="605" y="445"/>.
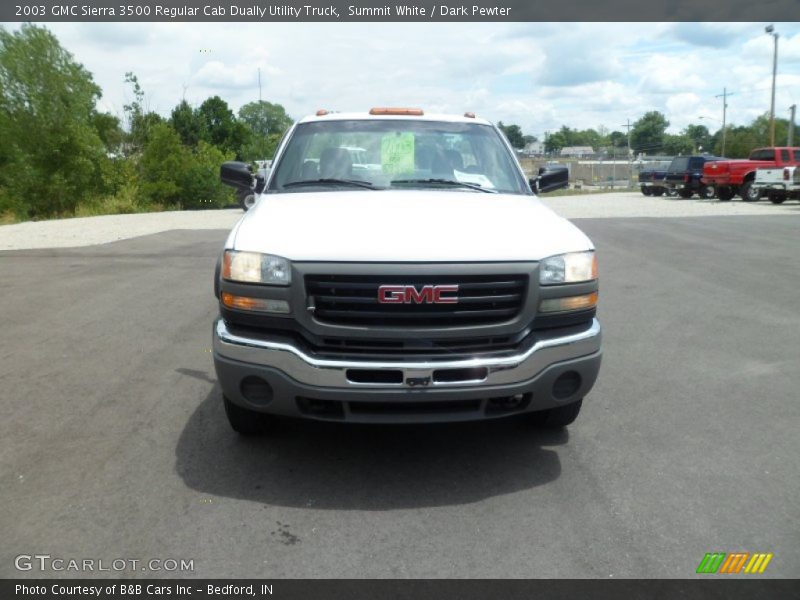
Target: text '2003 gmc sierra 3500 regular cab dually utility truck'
<point x="418" y="279"/>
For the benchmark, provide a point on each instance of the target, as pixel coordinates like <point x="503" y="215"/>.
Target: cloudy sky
<point x="538" y="75"/>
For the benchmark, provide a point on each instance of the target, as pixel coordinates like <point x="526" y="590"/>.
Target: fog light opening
<point x="566" y="385"/>
<point x="507" y="404"/>
<point x="256" y="390"/>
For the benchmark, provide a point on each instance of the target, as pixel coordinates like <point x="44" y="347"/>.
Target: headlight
<point x="252" y="267"/>
<point x="568" y="268"/>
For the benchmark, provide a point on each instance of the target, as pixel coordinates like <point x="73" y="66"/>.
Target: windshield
<point x="363" y="154"/>
<point x="679" y="164"/>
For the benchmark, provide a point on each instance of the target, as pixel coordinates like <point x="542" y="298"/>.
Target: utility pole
<point x="628" y="126"/>
<point x="770" y="29"/>
<point x="630" y="166"/>
<point x="790" y="138"/>
<point x="613" y="167"/>
<point x="724" y="95"/>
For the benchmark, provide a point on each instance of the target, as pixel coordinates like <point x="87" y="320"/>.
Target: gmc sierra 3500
<point x="425" y="282"/>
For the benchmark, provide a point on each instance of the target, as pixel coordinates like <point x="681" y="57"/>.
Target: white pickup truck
<point x="425" y="282"/>
<point x="779" y="183"/>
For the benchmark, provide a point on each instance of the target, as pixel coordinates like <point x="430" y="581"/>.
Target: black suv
<point x="684" y="176"/>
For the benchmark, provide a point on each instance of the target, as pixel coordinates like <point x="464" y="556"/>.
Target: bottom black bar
<point x="400" y="589"/>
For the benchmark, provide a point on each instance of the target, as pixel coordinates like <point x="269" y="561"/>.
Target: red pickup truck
<point x="731" y="177"/>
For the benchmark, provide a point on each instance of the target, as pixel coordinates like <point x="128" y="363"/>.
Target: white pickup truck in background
<point x="779" y="183"/>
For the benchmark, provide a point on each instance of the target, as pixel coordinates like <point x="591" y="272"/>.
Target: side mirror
<point x="550" y="179"/>
<point x="261" y="181"/>
<point x="236" y="174"/>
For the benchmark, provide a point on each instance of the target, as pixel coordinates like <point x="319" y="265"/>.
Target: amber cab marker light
<point x="469" y="114"/>
<point x="322" y="112"/>
<point x="411" y="112"/>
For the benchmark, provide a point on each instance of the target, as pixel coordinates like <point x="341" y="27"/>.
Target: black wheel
<point x="749" y="193"/>
<point x="671" y="192"/>
<point x="557" y="417"/>
<point x="658" y="191"/>
<point x="724" y="193"/>
<point x="647" y="191"/>
<point x="776" y="198"/>
<point x="685" y="194"/>
<point x="247" y="200"/>
<point x="706" y="192"/>
<point x="246" y="422"/>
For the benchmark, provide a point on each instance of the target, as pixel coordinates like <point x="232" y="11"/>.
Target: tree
<point x="174" y="175"/>
<point x="647" y="134"/>
<point x="51" y="150"/>
<point x="188" y="123"/>
<point x="700" y="137"/>
<point x="140" y="120"/>
<point x="220" y="126"/>
<point x="742" y="139"/>
<point x="556" y="141"/>
<point x="678" y="144"/>
<point x="513" y="133"/>
<point x="618" y="139"/>
<point x="162" y="166"/>
<point x="109" y="130"/>
<point x="264" y="118"/>
<point x="266" y="123"/>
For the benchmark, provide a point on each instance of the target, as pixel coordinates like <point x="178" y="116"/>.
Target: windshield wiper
<point x="351" y="182"/>
<point x="465" y="184"/>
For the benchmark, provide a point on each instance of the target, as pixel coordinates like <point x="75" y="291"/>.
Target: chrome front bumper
<point x="332" y="373"/>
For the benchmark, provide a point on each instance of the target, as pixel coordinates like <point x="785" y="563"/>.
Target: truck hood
<point x="405" y="226"/>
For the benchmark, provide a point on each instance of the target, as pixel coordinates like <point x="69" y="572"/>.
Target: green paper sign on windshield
<point x="397" y="153"/>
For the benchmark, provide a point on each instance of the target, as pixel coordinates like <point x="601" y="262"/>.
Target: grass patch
<point x="123" y="203"/>
<point x="8" y="217"/>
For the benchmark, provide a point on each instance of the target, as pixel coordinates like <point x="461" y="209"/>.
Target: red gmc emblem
<point x="408" y="294"/>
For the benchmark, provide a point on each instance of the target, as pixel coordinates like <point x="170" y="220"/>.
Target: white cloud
<point x="539" y="75"/>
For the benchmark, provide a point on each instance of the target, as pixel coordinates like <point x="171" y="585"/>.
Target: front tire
<point x="777" y="198"/>
<point x="706" y="192"/>
<point x="246" y="422"/>
<point x="658" y="191"/>
<point x="749" y="193"/>
<point x="247" y="201"/>
<point x="724" y="193"/>
<point x="646" y="191"/>
<point x="560" y="416"/>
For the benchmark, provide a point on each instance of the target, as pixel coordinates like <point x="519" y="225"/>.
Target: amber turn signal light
<point x="569" y="303"/>
<point x="255" y="304"/>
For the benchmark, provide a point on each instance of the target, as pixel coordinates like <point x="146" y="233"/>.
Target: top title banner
<point x="388" y="11"/>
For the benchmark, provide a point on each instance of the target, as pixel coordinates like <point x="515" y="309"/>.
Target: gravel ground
<point x="634" y="204"/>
<point x="90" y="231"/>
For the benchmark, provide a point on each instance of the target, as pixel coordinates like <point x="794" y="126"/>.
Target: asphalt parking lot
<point x="113" y="441"/>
